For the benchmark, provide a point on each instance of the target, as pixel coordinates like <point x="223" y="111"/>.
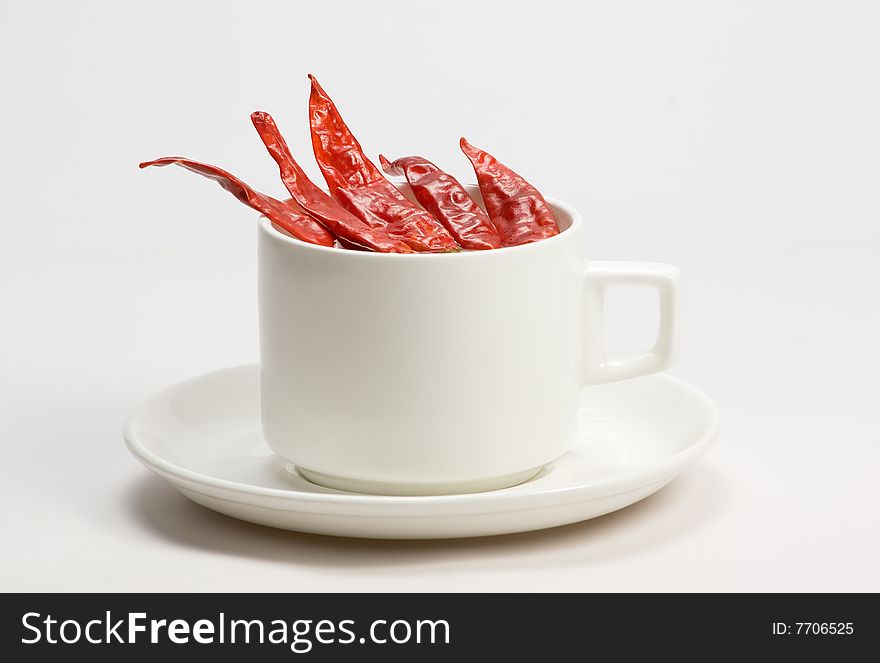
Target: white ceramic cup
<point x="432" y="374"/>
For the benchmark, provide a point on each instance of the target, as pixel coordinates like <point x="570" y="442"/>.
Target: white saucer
<point x="203" y="436"/>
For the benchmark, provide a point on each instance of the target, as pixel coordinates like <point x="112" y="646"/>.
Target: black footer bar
<point x="430" y="627"/>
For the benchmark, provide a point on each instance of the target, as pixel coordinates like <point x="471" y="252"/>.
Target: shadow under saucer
<point x="684" y="505"/>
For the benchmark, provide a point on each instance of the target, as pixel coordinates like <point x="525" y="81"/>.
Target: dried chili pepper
<point x="444" y="197"/>
<point x="297" y="223"/>
<point x="350" y="230"/>
<point x="359" y="185"/>
<point x="517" y="209"/>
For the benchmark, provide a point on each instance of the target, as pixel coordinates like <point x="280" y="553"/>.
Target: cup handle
<point x="598" y="368"/>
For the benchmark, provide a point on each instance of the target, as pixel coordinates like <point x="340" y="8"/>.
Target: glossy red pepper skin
<point x="359" y="185"/>
<point x="448" y="201"/>
<point x="517" y="209"/>
<point x="348" y="228"/>
<point x="297" y="223"/>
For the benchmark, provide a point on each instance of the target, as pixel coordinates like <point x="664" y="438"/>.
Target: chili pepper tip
<point x="389" y="167"/>
<point x="466" y="147"/>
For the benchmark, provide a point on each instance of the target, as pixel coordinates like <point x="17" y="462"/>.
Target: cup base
<point x="413" y="488"/>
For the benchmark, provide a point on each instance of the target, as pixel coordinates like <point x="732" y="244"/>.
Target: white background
<point x="739" y="141"/>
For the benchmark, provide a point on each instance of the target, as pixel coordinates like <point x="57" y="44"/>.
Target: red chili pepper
<point x="359" y="185"/>
<point x="517" y="209"/>
<point x="346" y="226"/>
<point x="297" y="223"/>
<point x="444" y="197"/>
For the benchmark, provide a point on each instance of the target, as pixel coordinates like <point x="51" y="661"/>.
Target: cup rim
<point x="576" y="221"/>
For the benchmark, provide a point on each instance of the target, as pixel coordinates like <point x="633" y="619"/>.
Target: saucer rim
<point x="668" y="467"/>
